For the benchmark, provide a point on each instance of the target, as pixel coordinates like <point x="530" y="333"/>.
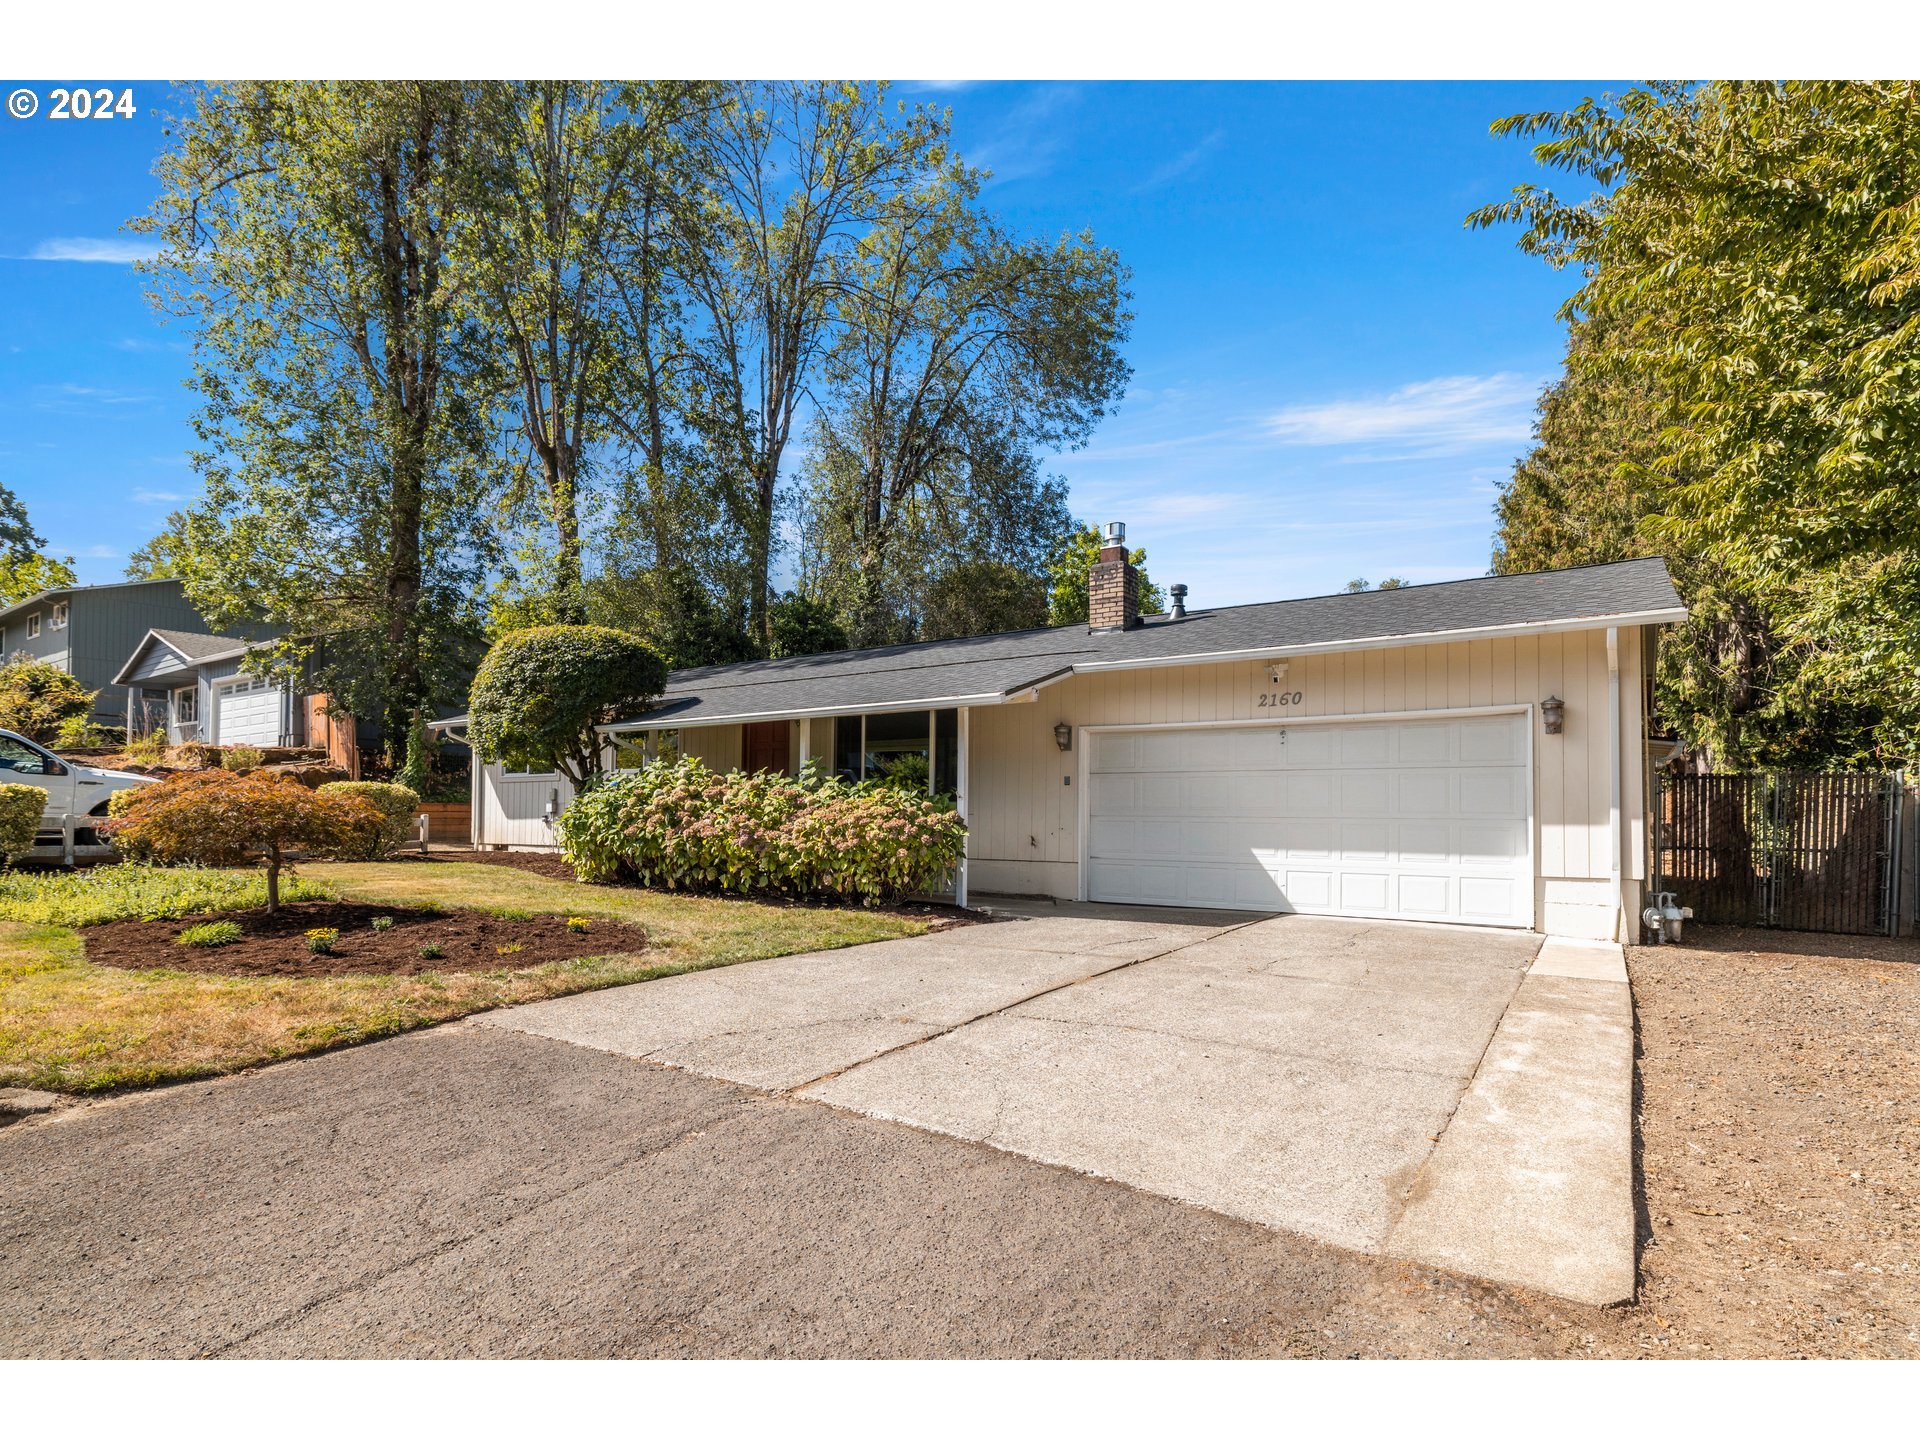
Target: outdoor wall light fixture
<point x="1063" y="735"/>
<point x="1553" y="714"/>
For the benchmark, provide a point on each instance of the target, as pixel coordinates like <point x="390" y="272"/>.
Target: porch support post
<point x="962" y="743"/>
<point x="806" y="742"/>
<point x="1624" y="931"/>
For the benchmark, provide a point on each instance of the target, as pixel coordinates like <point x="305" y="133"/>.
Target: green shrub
<point x="540" y="692"/>
<point x="148" y="748"/>
<point x="36" y="697"/>
<point x="78" y="732"/>
<point x="682" y="826"/>
<point x="432" y="951"/>
<point x="137" y="892"/>
<point x="21" y="807"/>
<point x="381" y="923"/>
<point x="907" y="772"/>
<point x="397" y="806"/>
<point x="208" y="935"/>
<point x="242" y="758"/>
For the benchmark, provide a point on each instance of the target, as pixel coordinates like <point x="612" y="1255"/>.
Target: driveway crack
<point x="362" y="1283"/>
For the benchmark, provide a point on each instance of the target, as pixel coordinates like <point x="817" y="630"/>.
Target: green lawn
<point x="68" y="1025"/>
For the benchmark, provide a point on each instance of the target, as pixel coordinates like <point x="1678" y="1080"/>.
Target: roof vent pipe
<point x="1179" y="593"/>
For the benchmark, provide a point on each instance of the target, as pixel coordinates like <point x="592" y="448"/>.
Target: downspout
<point x="963" y="743"/>
<point x="1613" y="781"/>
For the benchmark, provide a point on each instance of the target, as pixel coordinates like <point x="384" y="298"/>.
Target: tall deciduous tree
<point x="579" y="180"/>
<point x="1755" y="259"/>
<point x="795" y="177"/>
<point x="310" y="233"/>
<point x="956" y="348"/>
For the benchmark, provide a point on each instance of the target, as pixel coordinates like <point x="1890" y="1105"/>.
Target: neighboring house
<point x="87" y="631"/>
<point x="196" y="685"/>
<point x="1471" y="752"/>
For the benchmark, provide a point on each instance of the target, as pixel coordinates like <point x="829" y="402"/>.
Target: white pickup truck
<point x="74" y="791"/>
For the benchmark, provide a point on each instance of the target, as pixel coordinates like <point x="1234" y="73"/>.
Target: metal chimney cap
<point x="1116" y="532"/>
<point x="1179" y="593"/>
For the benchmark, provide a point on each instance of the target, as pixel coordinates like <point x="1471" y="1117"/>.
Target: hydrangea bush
<point x="679" y="825"/>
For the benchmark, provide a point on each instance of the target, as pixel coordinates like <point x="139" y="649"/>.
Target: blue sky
<point x="1330" y="373"/>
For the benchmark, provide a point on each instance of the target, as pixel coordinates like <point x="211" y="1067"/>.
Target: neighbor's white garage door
<point x="1413" y="819"/>
<point x="249" y="712"/>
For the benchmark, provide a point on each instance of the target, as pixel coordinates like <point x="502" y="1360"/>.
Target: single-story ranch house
<point x="1472" y="752"/>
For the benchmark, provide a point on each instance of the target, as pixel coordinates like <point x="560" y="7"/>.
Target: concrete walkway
<point x="1300" y="1072"/>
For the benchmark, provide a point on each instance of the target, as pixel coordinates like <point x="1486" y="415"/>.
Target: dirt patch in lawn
<point x="276" y="945"/>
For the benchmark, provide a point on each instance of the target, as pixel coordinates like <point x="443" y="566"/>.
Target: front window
<point x="186" y="706"/>
<point x="917" y="747"/>
<point x="60" y="616"/>
<point x="33" y="626"/>
<point x="634" y="749"/>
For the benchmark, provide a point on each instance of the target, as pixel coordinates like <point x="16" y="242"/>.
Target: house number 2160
<point x="1279" y="699"/>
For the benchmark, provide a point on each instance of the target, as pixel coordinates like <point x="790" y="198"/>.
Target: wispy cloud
<point x="1031" y="136"/>
<point x="86" y="552"/>
<point x="138" y="346"/>
<point x="95" y="250"/>
<point x="156" y="497"/>
<point x="99" y="395"/>
<point x="1182" y="163"/>
<point x="1437" y="417"/>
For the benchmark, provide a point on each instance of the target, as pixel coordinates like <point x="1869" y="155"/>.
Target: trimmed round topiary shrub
<point x="21" y="807"/>
<point x="397" y="806"/>
<point x="539" y="693"/>
<point x="679" y="825"/>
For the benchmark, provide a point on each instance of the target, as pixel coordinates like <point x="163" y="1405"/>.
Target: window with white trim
<point x="33" y="627"/>
<point x="186" y="705"/>
<point x="60" y="615"/>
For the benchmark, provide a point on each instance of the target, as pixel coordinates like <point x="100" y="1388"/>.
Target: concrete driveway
<point x="1300" y="1072"/>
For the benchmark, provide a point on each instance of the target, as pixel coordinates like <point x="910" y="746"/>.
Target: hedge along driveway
<point x="68" y="1025"/>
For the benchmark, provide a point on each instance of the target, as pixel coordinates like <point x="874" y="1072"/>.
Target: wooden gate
<point x="1801" y="851"/>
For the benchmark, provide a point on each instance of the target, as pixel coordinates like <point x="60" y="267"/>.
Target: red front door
<point x="766" y="746"/>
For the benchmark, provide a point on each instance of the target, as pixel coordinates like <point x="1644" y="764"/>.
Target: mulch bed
<point x="939" y="916"/>
<point x="277" y="944"/>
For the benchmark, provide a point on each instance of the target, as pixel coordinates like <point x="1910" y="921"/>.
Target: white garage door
<point x="249" y="712"/>
<point x="1412" y="819"/>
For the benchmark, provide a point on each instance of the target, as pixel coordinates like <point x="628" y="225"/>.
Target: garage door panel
<point x="1426" y="842"/>
<point x="1425" y="792"/>
<point x="1425" y="745"/>
<point x="1492" y="792"/>
<point x="1364" y="792"/>
<point x="1493" y="740"/>
<point x="1364" y="745"/>
<point x="1499" y="844"/>
<point x="1418" y="819"/>
<point x="1308" y="793"/>
<point x="1308" y="889"/>
<point x="1364" y="890"/>
<point x="1428" y="897"/>
<point x="1488" y="898"/>
<point x="1307" y="747"/>
<point x="1366" y="839"/>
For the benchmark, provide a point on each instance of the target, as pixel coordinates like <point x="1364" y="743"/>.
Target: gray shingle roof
<point x="196" y="646"/>
<point x="989" y="667"/>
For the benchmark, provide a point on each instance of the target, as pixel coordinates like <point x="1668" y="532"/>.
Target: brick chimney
<point x="1113" y="588"/>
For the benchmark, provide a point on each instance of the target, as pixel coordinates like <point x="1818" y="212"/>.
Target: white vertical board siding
<point x="1024" y="810"/>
